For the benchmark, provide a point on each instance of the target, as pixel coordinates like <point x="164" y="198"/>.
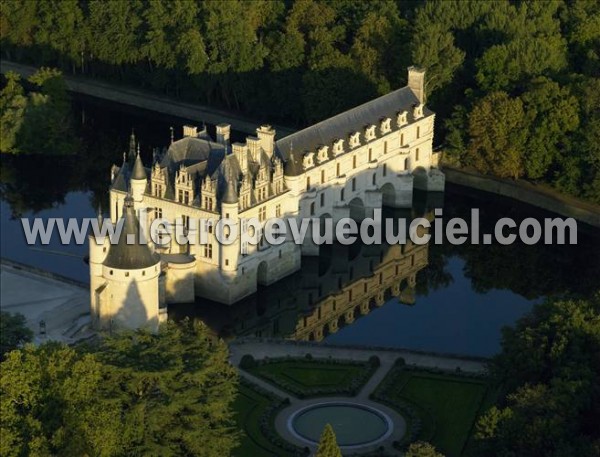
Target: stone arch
<point x="262" y="273"/>
<point x="388" y="194"/>
<point x="357" y="209"/>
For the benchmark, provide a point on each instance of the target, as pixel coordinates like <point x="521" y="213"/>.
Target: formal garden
<point x="439" y="407"/>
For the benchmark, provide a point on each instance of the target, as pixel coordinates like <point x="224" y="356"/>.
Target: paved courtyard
<point x="63" y="306"/>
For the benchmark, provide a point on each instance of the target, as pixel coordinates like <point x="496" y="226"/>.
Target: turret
<point x="129" y="293"/>
<point x="139" y="179"/>
<point x="229" y="210"/>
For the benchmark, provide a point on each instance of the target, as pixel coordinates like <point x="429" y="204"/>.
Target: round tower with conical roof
<point x="230" y="210"/>
<point x="139" y="179"/>
<point x="127" y="292"/>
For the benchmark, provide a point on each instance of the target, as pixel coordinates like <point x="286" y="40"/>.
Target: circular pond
<point x="354" y="424"/>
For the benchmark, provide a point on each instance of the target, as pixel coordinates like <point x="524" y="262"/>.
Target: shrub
<point x="247" y="362"/>
<point x="400" y="362"/>
<point x="309" y="356"/>
<point x="374" y="361"/>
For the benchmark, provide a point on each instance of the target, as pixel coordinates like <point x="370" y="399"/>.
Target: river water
<point x="441" y="298"/>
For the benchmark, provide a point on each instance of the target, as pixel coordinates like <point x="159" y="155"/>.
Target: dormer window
<point x="386" y="125"/>
<point x="338" y="147"/>
<point x="402" y="118"/>
<point x="308" y="161"/>
<point x="370" y="133"/>
<point x="355" y="140"/>
<point x="322" y="154"/>
<point x="418" y="111"/>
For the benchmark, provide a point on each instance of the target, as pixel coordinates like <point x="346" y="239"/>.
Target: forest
<point x="514" y="84"/>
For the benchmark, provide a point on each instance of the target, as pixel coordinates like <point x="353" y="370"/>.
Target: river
<point x="454" y="299"/>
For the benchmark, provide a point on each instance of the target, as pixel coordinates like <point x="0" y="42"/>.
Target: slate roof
<point x="341" y="125"/>
<point x="139" y="172"/>
<point x="126" y="256"/>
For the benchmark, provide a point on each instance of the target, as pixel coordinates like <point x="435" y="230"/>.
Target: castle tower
<point x="139" y="179"/>
<point x="98" y="248"/>
<point x="229" y="210"/>
<point x="128" y="293"/>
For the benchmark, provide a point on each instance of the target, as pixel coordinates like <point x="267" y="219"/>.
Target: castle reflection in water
<point x="331" y="291"/>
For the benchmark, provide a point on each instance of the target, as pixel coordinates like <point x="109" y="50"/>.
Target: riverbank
<point x="56" y="308"/>
<point x="538" y="195"/>
<point x="149" y="101"/>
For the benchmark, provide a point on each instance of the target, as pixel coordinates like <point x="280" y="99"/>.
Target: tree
<point x="13" y="332"/>
<point x="550" y="367"/>
<point x="553" y="113"/>
<point x="12" y="111"/>
<point x="422" y="449"/>
<point x="498" y="135"/>
<point x="327" y="444"/>
<point x="135" y="394"/>
<point x="47" y="126"/>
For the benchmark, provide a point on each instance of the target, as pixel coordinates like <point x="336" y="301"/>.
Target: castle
<point x="346" y="166"/>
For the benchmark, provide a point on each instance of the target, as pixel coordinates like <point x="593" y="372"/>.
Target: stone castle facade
<point x="371" y="156"/>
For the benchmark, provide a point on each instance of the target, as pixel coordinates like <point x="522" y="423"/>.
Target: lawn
<point x="307" y="378"/>
<point x="249" y="406"/>
<point x="447" y="403"/>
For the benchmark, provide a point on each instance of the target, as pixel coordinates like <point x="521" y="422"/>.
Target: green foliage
<point x="327" y="444"/>
<point x="498" y="131"/>
<point x="309" y="378"/>
<point x="439" y="407"/>
<point x="422" y="449"/>
<point x="136" y="394"/>
<point x="13" y="332"/>
<point x="39" y="122"/>
<point x="551" y="370"/>
<point x="302" y="61"/>
<point x="247" y="362"/>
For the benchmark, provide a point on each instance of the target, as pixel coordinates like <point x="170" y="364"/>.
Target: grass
<point x="449" y="405"/>
<point x="305" y="376"/>
<point x="249" y="406"/>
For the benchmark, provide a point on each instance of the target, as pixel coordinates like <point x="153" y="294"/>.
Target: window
<point x="280" y="254"/>
<point x="342" y="195"/>
<point x="278" y="211"/>
<point x="312" y="209"/>
<point x="337" y="170"/>
<point x="385" y="147"/>
<point x="354" y="162"/>
<point x="208" y="251"/>
<point x="353" y="184"/>
<point x="262" y="213"/>
<point x="322" y="199"/>
<point x="374" y="178"/>
<point x="186" y="221"/>
<point x="366" y="287"/>
<point x="350" y="295"/>
<point x="308" y="183"/>
<point x="384" y="169"/>
<point x="370" y="154"/>
<point x="322" y="176"/>
<point x="402" y="140"/>
<point x="418" y="132"/>
<point x="417" y="155"/>
<point x="158" y="213"/>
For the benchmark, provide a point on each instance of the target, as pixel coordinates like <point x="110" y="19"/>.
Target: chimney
<point x="266" y="135"/>
<point x="254" y="145"/>
<point x="190" y="130"/>
<point x="241" y="153"/>
<point x="223" y="131"/>
<point x="416" y="82"/>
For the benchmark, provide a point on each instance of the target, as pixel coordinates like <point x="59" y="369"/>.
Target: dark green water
<point x="462" y="296"/>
